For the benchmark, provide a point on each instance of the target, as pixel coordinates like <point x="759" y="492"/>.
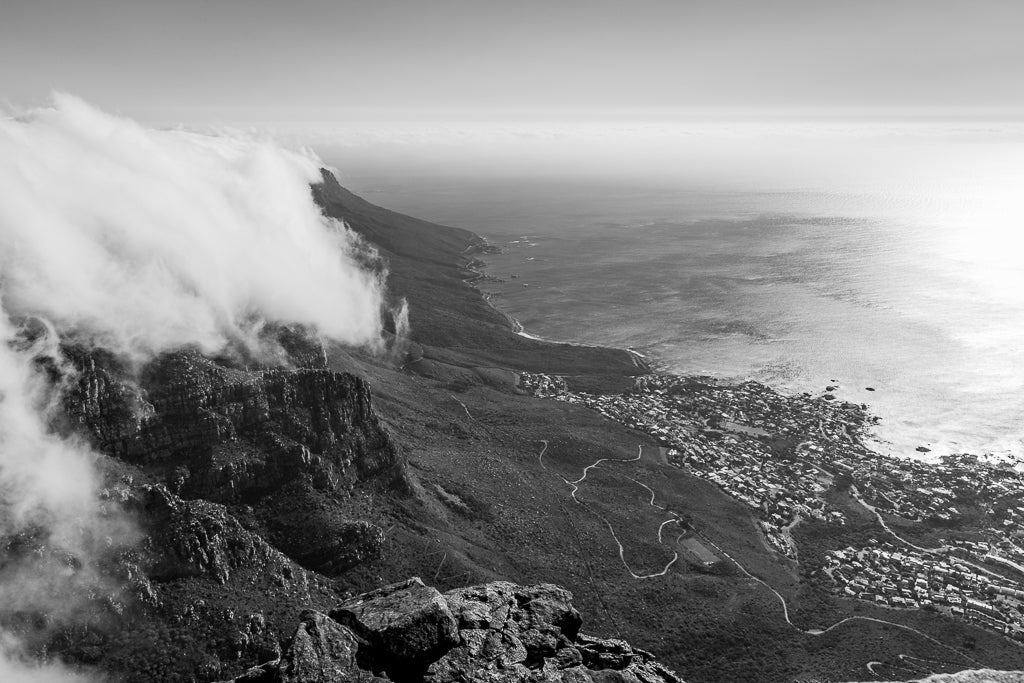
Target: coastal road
<point x="847" y="620"/>
<point x="930" y="551"/>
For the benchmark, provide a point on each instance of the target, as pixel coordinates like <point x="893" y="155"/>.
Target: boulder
<point x="492" y="633"/>
<point x="322" y="650"/>
<point x="407" y="624"/>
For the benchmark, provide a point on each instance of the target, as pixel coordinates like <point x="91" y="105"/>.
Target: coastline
<point x="929" y="446"/>
<point x="716" y="459"/>
<point x="475" y="265"/>
<point x="652" y="366"/>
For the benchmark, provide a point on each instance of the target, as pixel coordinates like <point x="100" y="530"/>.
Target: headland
<point x="772" y="486"/>
<point x="716" y="526"/>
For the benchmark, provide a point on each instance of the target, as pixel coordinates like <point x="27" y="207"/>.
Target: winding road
<point x="468" y="414"/>
<point x="820" y="632"/>
<point x="540" y="456"/>
<point x="931" y="551"/>
<point x="586" y="470"/>
<point x="575" y="484"/>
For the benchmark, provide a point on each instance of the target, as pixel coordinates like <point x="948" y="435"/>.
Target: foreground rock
<point x="493" y="632"/>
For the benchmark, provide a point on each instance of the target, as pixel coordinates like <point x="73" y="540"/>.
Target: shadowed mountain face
<point x="260" y="490"/>
<point x="249" y="484"/>
<point x="281" y="440"/>
<point x="230" y="434"/>
<point x="270" y="495"/>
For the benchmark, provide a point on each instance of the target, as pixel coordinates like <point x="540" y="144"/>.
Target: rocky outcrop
<point x="197" y="538"/>
<point x="407" y="626"/>
<point x="231" y="434"/>
<point x="493" y="632"/>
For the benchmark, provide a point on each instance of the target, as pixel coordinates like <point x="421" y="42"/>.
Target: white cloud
<point x="140" y="241"/>
<point x="148" y="239"/>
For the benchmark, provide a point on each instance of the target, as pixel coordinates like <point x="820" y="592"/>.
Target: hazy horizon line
<point x="467" y="116"/>
<point x="214" y="115"/>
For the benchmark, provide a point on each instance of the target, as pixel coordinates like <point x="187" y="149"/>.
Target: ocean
<point x="887" y="260"/>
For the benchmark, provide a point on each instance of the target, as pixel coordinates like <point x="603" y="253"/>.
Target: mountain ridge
<point x="344" y="472"/>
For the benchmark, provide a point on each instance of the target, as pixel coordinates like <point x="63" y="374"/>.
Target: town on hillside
<point x="780" y="455"/>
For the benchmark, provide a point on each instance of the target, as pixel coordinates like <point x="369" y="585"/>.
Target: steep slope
<point x="268" y="495"/>
<point x="506" y="487"/>
<point x="428" y="265"/>
<point x="247" y="483"/>
<point x="221" y="432"/>
<point x="260" y="490"/>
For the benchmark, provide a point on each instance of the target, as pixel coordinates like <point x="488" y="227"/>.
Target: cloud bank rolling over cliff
<point x="150" y="239"/>
<point x="140" y="241"/>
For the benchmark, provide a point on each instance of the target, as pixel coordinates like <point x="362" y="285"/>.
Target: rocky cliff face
<point x="247" y="482"/>
<point x="493" y="632"/>
<point x="231" y="434"/>
<point x="197" y="538"/>
<point x="292" y="446"/>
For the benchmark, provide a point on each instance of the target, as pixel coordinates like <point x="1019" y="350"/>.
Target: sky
<point x="315" y="61"/>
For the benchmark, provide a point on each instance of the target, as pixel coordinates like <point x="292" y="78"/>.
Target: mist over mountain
<point x="240" y="406"/>
<point x="148" y="239"/>
<point x="138" y="242"/>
